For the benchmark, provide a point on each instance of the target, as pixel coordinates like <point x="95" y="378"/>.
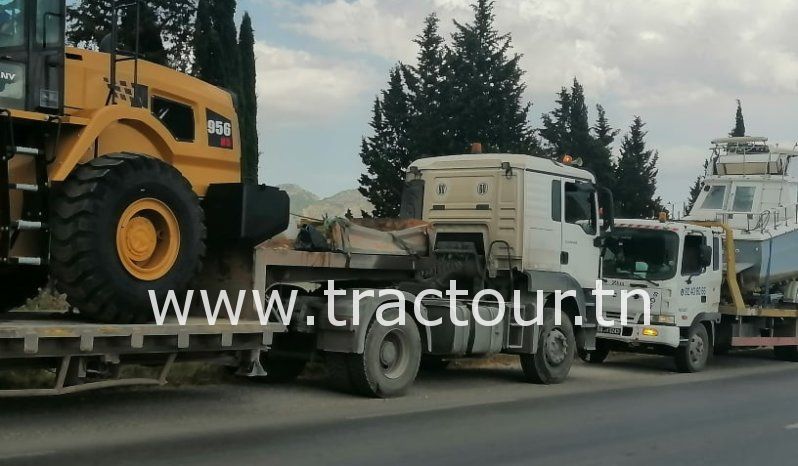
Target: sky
<point x="679" y="64"/>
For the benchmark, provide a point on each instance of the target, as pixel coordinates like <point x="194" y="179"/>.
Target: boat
<point x="751" y="188"/>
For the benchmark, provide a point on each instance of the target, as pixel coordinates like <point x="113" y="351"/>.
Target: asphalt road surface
<point x="633" y="410"/>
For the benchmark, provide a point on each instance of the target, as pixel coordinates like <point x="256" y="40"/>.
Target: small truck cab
<point x="679" y="266"/>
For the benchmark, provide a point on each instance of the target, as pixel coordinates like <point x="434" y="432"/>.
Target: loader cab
<point x="32" y="55"/>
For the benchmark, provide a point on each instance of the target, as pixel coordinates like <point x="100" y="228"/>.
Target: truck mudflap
<point x="637" y="334"/>
<point x="88" y="356"/>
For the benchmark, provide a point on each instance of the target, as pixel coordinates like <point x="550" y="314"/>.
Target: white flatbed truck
<point x="690" y="272"/>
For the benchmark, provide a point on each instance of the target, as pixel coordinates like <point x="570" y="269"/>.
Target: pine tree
<point x="430" y="132"/>
<point x="637" y="176"/>
<point x="739" y="123"/>
<point x="556" y="126"/>
<point x="248" y="114"/>
<point x="385" y="153"/>
<point x="151" y="47"/>
<point x="165" y="28"/>
<point x="695" y="190"/>
<point x="567" y="131"/>
<point x="486" y="91"/>
<point x="604" y="132"/>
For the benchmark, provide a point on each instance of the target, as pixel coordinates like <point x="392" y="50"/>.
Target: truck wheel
<point x="786" y="353"/>
<point x="390" y="360"/>
<point x="597" y="356"/>
<point x="693" y="356"/>
<point x="19" y="285"/>
<point x="124" y="225"/>
<point x="556" y="349"/>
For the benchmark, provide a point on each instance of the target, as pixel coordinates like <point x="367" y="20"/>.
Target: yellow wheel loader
<point x="116" y="174"/>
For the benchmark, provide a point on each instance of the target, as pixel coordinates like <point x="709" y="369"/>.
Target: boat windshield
<point x="12" y="23"/>
<point x="641" y="254"/>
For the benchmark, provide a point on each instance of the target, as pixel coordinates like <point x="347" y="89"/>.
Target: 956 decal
<point x="220" y="131"/>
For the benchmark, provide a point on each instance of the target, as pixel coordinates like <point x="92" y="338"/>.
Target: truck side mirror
<point x="606" y="208"/>
<point x="705" y="254"/>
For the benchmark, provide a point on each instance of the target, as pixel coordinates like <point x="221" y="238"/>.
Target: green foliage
<point x="431" y="133"/>
<point x="695" y="190"/>
<point x="484" y="83"/>
<point x="739" y="122"/>
<point x="637" y="176"/>
<point x="165" y="28"/>
<point x="214" y="42"/>
<point x="567" y="131"/>
<point x="471" y="91"/>
<point x="248" y="113"/>
<point x="385" y="153"/>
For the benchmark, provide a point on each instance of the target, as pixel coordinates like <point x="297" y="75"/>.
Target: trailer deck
<point x="75" y="348"/>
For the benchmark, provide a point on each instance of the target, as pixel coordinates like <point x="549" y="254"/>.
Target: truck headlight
<point x="663" y="320"/>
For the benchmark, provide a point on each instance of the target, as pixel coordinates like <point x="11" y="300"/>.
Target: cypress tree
<point x="249" y="102"/>
<point x="556" y="126"/>
<point x="637" y="176"/>
<point x="484" y="80"/>
<point x="739" y="122"/>
<point x="385" y="153"/>
<point x="430" y="133"/>
<point x="207" y="49"/>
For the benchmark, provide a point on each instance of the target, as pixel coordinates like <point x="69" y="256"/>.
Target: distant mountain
<point x="308" y="204"/>
<point x="300" y="198"/>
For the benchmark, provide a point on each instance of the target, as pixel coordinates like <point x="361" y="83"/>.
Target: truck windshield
<point x="641" y="254"/>
<point x="12" y="23"/>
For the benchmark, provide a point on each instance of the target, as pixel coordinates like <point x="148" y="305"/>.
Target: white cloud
<point x="295" y="86"/>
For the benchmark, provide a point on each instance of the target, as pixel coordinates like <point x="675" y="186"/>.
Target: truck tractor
<point x="496" y="222"/>
<point x="117" y="176"/>
<point x="697" y="306"/>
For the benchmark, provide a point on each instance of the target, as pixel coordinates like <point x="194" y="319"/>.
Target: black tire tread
<point x="72" y="211"/>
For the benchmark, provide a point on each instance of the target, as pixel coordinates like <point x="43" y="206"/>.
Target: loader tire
<point x="20" y="284"/>
<point x="124" y="225"/>
<point x="390" y="361"/>
<point x="552" y="362"/>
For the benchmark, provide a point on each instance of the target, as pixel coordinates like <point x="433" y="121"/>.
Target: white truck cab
<point x="680" y="267"/>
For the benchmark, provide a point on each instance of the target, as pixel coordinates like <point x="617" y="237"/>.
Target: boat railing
<point x="775" y="218"/>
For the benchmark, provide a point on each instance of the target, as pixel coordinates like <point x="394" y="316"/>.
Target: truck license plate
<point x="610" y="330"/>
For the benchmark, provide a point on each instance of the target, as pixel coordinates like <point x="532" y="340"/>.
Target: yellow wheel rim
<point x="148" y="239"/>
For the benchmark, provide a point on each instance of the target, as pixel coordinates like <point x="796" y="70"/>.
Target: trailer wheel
<point x="124" y="225"/>
<point x="786" y="353"/>
<point x="693" y="356"/>
<point x="19" y="285"/>
<point x="555" y="353"/>
<point x="597" y="356"/>
<point x="390" y="360"/>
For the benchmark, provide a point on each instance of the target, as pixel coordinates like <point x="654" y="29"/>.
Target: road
<point x="632" y="410"/>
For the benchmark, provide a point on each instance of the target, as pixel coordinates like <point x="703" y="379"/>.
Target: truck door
<point x="700" y="291"/>
<point x="579" y="256"/>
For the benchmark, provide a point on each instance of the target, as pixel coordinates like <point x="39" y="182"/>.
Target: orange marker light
<point x="568" y="159"/>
